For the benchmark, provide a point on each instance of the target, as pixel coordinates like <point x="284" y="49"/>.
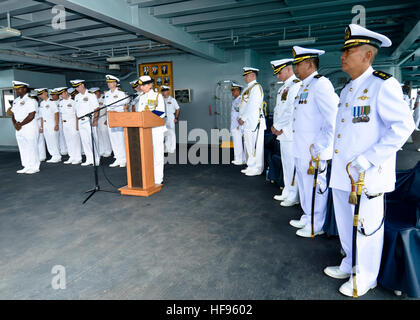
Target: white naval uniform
<point x="154" y="101"/>
<point x="237" y="131"/>
<point x="42" y="152"/>
<point x="416" y="114"/>
<point x="377" y="141"/>
<point x="252" y="114"/>
<point x="61" y="138"/>
<point x="105" y="148"/>
<point x="47" y="110"/>
<point x="314" y="123"/>
<point x="71" y="135"/>
<point x="84" y="104"/>
<point x="171" y="106"/>
<point x="27" y="136"/>
<point x="116" y="135"/>
<point x="282" y="120"/>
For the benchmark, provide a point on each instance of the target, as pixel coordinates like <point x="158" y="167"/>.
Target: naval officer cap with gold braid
<point x="145" y="80"/>
<point x="236" y="86"/>
<point x="60" y="90"/>
<point x="300" y="54"/>
<point x="356" y="35"/>
<point x="111" y="78"/>
<point x="279" y="65"/>
<point x="248" y="70"/>
<point x="76" y="83"/>
<point x="134" y="83"/>
<point x="165" y="88"/>
<point x="41" y="91"/>
<point x="19" y="84"/>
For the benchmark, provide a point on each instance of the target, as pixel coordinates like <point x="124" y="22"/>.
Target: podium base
<point x="139" y="192"/>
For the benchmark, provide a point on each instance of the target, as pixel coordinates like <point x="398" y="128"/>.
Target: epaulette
<point x="382" y="75"/>
<point x="296" y="81"/>
<point x="318" y="76"/>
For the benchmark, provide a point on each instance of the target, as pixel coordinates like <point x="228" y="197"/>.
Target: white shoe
<point x="56" y="160"/>
<point x="123" y="165"/>
<point x="22" y="171"/>
<point x="68" y="161"/>
<point x="106" y="155"/>
<point x="32" y="171"/>
<point x="77" y="162"/>
<point x="297" y="224"/>
<point x="85" y="164"/>
<point x="114" y="164"/>
<point x="244" y="170"/>
<point x="280" y="197"/>
<point x="418" y="149"/>
<point x="336" y="273"/>
<point x="42" y="160"/>
<point x="288" y="203"/>
<point x="347" y="289"/>
<point x="306" y="233"/>
<point x="251" y="173"/>
<point x="237" y="163"/>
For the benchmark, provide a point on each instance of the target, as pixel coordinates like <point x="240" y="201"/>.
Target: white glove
<point x="360" y="164"/>
<point x="315" y="151"/>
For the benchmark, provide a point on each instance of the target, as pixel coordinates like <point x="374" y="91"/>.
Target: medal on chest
<point x="361" y="114"/>
<point x="284" y="94"/>
<point x="86" y="99"/>
<point x="22" y="103"/>
<point x="303" y="96"/>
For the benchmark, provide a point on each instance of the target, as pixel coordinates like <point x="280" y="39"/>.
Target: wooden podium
<point x="139" y="150"/>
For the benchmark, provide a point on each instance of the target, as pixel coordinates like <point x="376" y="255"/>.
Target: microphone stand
<point x="97" y="188"/>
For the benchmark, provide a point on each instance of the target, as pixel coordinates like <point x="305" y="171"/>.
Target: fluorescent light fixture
<point x="120" y="59"/>
<point x="114" y="67"/>
<point x="6" y="32"/>
<point x="294" y="42"/>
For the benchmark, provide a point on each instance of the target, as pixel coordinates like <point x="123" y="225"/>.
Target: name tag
<point x="86" y="99"/>
<point x="22" y="103"/>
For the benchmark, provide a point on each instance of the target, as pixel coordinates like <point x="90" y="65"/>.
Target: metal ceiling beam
<point x="117" y="45"/>
<point x="197" y="6"/>
<point x="20" y="7"/>
<point x="251" y="11"/>
<point x="314" y="17"/>
<point x="71" y="26"/>
<point x="21" y="56"/>
<point x="79" y="35"/>
<point x="150" y="3"/>
<point x="35" y="19"/>
<point x="139" y="21"/>
<point x="412" y="37"/>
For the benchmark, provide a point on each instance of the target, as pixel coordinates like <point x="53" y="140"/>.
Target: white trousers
<point x="52" y="140"/>
<point x="170" y="140"/>
<point x="416" y="116"/>
<point x="255" y="162"/>
<point x="116" y="136"/>
<point x="158" y="153"/>
<point x="62" y="140"/>
<point x="73" y="142"/>
<point x="306" y="183"/>
<point x="105" y="147"/>
<point x="238" y="145"/>
<point x="42" y="152"/>
<point x="85" y="135"/>
<point x="27" y="140"/>
<point x="288" y="164"/>
<point x="369" y="249"/>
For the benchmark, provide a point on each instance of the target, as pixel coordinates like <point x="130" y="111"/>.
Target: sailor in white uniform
<point x="49" y="114"/>
<point x="104" y="143"/>
<point x="23" y="117"/>
<point x="116" y="135"/>
<point x="172" y="115"/>
<point x="236" y="130"/>
<point x="55" y="96"/>
<point x="373" y="122"/>
<point x="135" y="85"/>
<point x="86" y="103"/>
<point x="71" y="134"/>
<point x="251" y="116"/>
<point x="313" y="136"/>
<point x="42" y="151"/>
<point x="282" y="128"/>
<point x="153" y="101"/>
